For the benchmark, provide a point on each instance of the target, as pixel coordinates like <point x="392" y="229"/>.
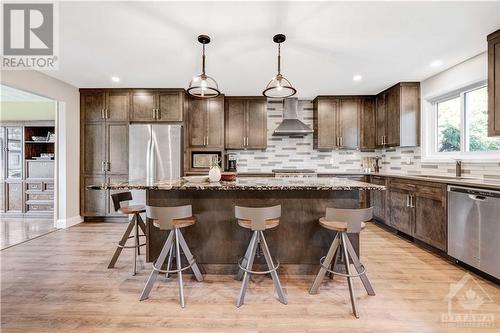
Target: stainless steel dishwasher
<point x="474" y="227"/>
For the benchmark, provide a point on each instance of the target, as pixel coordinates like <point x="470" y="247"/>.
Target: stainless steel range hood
<point x="291" y="125"/>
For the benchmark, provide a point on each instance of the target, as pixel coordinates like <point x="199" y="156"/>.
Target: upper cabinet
<point x="494" y="83"/>
<point x="110" y="105"/>
<point x="157" y="105"/>
<point x="206" y="122"/>
<point x="245" y="122"/>
<point x="343" y="122"/>
<point x="398" y="115"/>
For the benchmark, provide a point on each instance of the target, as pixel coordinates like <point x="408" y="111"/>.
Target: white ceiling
<point x="153" y="44"/>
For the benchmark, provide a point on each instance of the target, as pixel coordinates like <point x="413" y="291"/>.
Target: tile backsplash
<point x="297" y="152"/>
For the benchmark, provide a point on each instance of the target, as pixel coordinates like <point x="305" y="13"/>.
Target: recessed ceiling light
<point x="436" y="63"/>
<point x="357" y="78"/>
<point x="115" y="79"/>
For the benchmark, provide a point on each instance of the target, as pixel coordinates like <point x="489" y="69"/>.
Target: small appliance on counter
<point x="231" y="163"/>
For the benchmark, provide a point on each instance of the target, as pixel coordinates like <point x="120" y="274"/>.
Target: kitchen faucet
<point x="458" y="169"/>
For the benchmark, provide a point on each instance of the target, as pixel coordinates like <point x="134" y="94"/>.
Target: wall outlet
<point x="408" y="160"/>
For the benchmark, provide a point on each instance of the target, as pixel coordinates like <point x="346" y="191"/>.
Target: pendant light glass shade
<point x="203" y="86"/>
<point x="279" y="86"/>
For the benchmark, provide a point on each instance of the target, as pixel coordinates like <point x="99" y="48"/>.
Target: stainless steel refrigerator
<point x="154" y="154"/>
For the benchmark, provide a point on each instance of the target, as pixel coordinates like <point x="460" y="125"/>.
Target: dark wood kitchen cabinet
<point x="367" y="128"/>
<point x="378" y="199"/>
<point x="348" y="122"/>
<point x="112" y="105"/>
<point x="93" y="147"/>
<point x="418" y="209"/>
<point x="429" y="203"/>
<point x="398" y="115"/>
<point x="157" y="105"/>
<point x="380" y="119"/>
<point x="206" y="122"/>
<point x="494" y="83"/>
<point x="245" y="122"/>
<point x="325" y="123"/>
<point x="104" y="144"/>
<point x="400" y="212"/>
<point x="343" y="122"/>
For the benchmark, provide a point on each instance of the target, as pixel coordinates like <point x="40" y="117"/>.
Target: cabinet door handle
<point x="106" y="114"/>
<point x="341" y="141"/>
<point x="102" y="113"/>
<point x="102" y="166"/>
<point x="153" y="112"/>
<point x="108" y="166"/>
<point x="412" y="202"/>
<point x="407" y="200"/>
<point x="158" y="114"/>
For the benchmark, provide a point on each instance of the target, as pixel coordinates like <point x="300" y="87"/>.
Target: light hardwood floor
<point x="17" y="230"/>
<point x="59" y="283"/>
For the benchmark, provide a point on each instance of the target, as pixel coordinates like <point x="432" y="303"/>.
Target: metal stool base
<point x="246" y="264"/>
<point x="135" y="223"/>
<point x="341" y="244"/>
<point x="176" y="241"/>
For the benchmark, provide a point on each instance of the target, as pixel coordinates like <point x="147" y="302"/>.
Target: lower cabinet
<point x="401" y="214"/>
<point x="14" y="197"/>
<point x="98" y="203"/>
<point x="39" y="197"/>
<point x="430" y="217"/>
<point x="415" y="208"/>
<point x="94" y="201"/>
<point x="378" y="199"/>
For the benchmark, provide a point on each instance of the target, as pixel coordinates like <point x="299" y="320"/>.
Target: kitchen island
<point x="217" y="241"/>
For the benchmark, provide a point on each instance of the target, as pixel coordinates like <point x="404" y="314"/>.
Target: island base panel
<point x="217" y="241"/>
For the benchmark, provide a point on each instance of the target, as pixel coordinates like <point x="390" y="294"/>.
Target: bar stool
<point x="258" y="220"/>
<point x="344" y="221"/>
<point x="135" y="222"/>
<point x="173" y="219"/>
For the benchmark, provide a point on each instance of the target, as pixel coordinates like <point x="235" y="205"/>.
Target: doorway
<point x="28" y="153"/>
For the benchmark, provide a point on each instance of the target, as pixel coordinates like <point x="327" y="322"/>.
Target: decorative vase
<point x="214" y="173"/>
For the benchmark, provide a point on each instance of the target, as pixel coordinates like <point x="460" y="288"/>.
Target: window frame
<point x="429" y="131"/>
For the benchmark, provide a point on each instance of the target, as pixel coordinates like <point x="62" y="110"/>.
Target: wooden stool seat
<point x="134" y="209"/>
<point x="185" y="222"/>
<point x="336" y="225"/>
<point x="272" y="223"/>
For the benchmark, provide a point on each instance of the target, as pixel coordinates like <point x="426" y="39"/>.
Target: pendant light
<point x="203" y="86"/>
<point x="279" y="86"/>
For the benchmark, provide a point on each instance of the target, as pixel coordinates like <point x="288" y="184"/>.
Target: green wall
<point x="22" y="111"/>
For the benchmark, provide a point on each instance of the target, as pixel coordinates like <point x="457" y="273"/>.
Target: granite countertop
<point x="466" y="181"/>
<point x="247" y="183"/>
<point x="443" y="179"/>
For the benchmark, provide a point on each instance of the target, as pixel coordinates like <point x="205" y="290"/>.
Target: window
<point x="459" y="127"/>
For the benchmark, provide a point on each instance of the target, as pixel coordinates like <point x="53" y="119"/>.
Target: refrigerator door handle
<point x="149" y="160"/>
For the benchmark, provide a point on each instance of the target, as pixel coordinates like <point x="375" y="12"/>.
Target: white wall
<point x="68" y="123"/>
<point x="468" y="72"/>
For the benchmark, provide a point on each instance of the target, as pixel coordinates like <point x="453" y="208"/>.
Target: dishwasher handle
<point x="477" y="197"/>
<point x="475" y="193"/>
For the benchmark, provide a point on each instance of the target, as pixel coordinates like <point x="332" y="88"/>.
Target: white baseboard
<point x="66" y="223"/>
